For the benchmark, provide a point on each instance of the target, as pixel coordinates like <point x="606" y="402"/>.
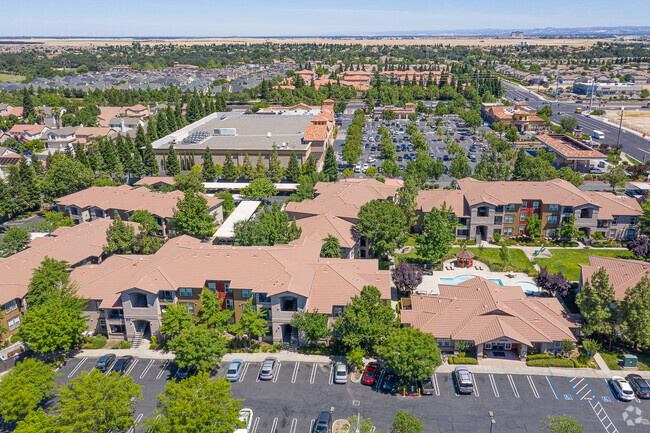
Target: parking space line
<point x="135" y="424"/>
<point x="163" y="368"/>
<point x="533" y="387"/>
<point x="475" y="387"/>
<point x="277" y="372"/>
<point x="312" y="377"/>
<point x="275" y="424"/>
<point x="146" y="369"/>
<point x="74" y="370"/>
<point x="585" y="393"/>
<point x="606" y="418"/>
<point x="295" y="372"/>
<point x="311" y="426"/>
<point x="131" y="367"/>
<point x="294" y="423"/>
<point x="257" y="379"/>
<point x="494" y="385"/>
<point x="435" y="384"/>
<point x="331" y="381"/>
<point x="550" y="383"/>
<point x="243" y="372"/>
<point x="512" y="384"/>
<point x="255" y="424"/>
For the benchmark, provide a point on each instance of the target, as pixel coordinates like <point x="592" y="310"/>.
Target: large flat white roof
<point x="243" y="212"/>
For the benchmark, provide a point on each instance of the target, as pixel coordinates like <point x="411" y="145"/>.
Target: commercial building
<point x="481" y="314"/>
<point x="571" y="152"/>
<point x="486" y="208"/>
<point x="584" y="86"/>
<point x="510" y="116"/>
<point x="128" y="293"/>
<point x="108" y="202"/>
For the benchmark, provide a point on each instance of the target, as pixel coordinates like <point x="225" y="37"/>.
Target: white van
<point x="600" y="135"/>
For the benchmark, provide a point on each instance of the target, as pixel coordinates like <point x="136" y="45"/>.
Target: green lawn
<point x="9" y="78"/>
<point x="491" y="255"/>
<point x="612" y="359"/>
<point x="567" y="261"/>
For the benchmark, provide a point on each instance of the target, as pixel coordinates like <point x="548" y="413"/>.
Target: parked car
<point x="463" y="380"/>
<point x="389" y="382"/>
<point x="596" y="171"/>
<point x="246" y="417"/>
<point x="621" y="388"/>
<point x="268" y="368"/>
<point x="105" y="362"/>
<point x="370" y="374"/>
<point x="640" y="386"/>
<point x="323" y="423"/>
<point x="122" y="364"/>
<point x="340" y="373"/>
<point x="234" y="370"/>
<point x="426" y="386"/>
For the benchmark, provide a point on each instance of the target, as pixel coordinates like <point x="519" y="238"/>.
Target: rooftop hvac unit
<point x="225" y="132"/>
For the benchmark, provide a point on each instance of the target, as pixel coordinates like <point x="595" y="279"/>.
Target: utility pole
<point x="620" y="126"/>
<point x="593" y="89"/>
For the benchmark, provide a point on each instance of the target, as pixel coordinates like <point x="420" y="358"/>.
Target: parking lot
<point x="292" y="399"/>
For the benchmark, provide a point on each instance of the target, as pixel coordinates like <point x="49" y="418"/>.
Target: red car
<point x="370" y="374"/>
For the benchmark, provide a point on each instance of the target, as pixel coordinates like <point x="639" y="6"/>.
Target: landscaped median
<point x="552" y="361"/>
<point x="567" y="261"/>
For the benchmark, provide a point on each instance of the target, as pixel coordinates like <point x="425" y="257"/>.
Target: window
<point x="524" y="204"/>
<point x="482" y="211"/>
<point x="557" y="344"/>
<point x="99" y="213"/>
<point x="337" y="310"/>
<point x="289" y="304"/>
<point x="185" y="292"/>
<point x="508" y="346"/>
<point x="507" y="231"/>
<point x="615" y="221"/>
<point x="567" y="209"/>
<point x="462" y="232"/>
<point x="535" y="205"/>
<point x="443" y="341"/>
<point x="117" y="329"/>
<point x="550" y="233"/>
<point x="509" y="219"/>
<point x="498" y="220"/>
<point x="522" y="216"/>
<point x="11" y="306"/>
<point x="115" y="212"/>
<point x="552" y="219"/>
<point x="115" y="313"/>
<point x="226" y="287"/>
<point x="510" y="207"/>
<point x="212" y="286"/>
<point x="553" y="207"/>
<point x="585" y="213"/>
<point x="263" y="297"/>
<point x="633" y="220"/>
<point x="190" y="306"/>
<point x="74" y="211"/>
<point x="499" y="209"/>
<point x="497" y="231"/>
<point x="13" y="323"/>
<point x="166" y="295"/>
<point x="488" y="346"/>
<point x="612" y="233"/>
<point x="246" y="293"/>
<point x="102" y="325"/>
<point x="230" y="304"/>
<point x="630" y="234"/>
<point x="522" y="229"/>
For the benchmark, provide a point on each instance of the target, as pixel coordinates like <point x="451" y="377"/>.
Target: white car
<point x="365" y="167"/>
<point x="371" y="159"/>
<point x="621" y="388"/>
<point x="341" y="373"/>
<point x="357" y="168"/>
<point x="246" y="417"/>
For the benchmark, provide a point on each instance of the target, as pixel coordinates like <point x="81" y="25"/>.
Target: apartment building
<point x="108" y="202"/>
<point x="128" y="293"/>
<point x="79" y="245"/>
<point x="486" y="208"/>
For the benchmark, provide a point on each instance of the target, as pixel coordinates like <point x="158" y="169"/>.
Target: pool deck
<point x="429" y="285"/>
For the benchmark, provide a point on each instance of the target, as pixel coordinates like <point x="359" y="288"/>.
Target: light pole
<point x="620" y="126"/>
<point x="492" y="420"/>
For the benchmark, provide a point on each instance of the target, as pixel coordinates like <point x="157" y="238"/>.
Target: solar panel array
<point x="196" y="137"/>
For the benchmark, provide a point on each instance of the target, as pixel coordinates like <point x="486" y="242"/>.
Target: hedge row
<point x="554" y="362"/>
<point x="461" y="360"/>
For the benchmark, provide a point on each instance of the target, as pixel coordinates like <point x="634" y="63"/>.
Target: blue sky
<point x="283" y="17"/>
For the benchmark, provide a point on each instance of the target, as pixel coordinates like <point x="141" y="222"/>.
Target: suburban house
<point x="8" y="158"/>
<point x="128" y="293"/>
<point x="335" y="208"/>
<point x="26" y="132"/>
<point x="499" y="320"/>
<point x="570" y="152"/>
<point x="486" y="208"/>
<point x="107" y="202"/>
<point x="623" y="274"/>
<point x="509" y="116"/>
<point x="138" y="110"/>
<point x="79" y="245"/>
<point x="60" y="138"/>
<point x="124" y="124"/>
<point x="85" y="134"/>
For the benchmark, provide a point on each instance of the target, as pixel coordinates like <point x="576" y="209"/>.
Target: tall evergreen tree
<point x="138" y="166"/>
<point x="208" y="172"/>
<point x="229" y="171"/>
<point x="140" y="137"/>
<point x="330" y="167"/>
<point x="293" y="168"/>
<point x="275" y="167"/>
<point x="247" y="171"/>
<point x="152" y="129"/>
<point x="260" y="168"/>
<point x="80" y="155"/>
<point x="149" y="160"/>
<point x="171" y="165"/>
<point x="28" y="105"/>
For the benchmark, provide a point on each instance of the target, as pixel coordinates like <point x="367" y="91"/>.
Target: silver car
<point x="463" y="380"/>
<point x="268" y="368"/>
<point x="341" y="373"/>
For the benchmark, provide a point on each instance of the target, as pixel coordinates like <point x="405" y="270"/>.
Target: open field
<point x="638" y="121"/>
<point x="10" y="78"/>
<point x="567" y="261"/>
<point x="83" y="42"/>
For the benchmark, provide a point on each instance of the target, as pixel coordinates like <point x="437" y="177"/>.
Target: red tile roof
<point x="569" y="147"/>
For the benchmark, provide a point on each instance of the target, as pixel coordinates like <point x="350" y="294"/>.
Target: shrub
<point x="553" y="362"/>
<point x="496" y="237"/>
<point x="154" y="343"/>
<point x="463" y="360"/>
<point x="384" y="266"/>
<point x="96" y="342"/>
<point x="598" y="235"/>
<point x="598" y="112"/>
<point x="539" y="356"/>
<point x="121" y="345"/>
<point x="355" y="358"/>
<point x="265" y="349"/>
<point x="277" y="346"/>
<point x="436" y="186"/>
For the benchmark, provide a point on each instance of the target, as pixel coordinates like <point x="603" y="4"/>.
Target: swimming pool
<point x="527" y="287"/>
<point x="460" y="278"/>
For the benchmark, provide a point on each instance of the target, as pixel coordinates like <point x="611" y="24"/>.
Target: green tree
<point x="191" y="216"/>
<point x="28" y="104"/>
<point x="37" y="421"/>
<point x="247" y="171"/>
<point x="148" y="241"/>
<point x="504" y="255"/>
<point x="15" y="239"/>
<point x="190" y="181"/>
<point x="568" y="229"/>
<point x="366" y="320"/>
<point x="293" y="168"/>
<point x="438" y="233"/>
<point x="569" y="123"/>
<point x="251" y="323"/>
<point x="24" y="387"/>
<point x="120" y="238"/>
<point x="65" y="176"/>
<point x="150" y="163"/>
<point x="533" y="225"/>
<point x="275" y="167"/>
<point x="330" y="167"/>
<point x="459" y="167"/>
<point x="331" y="247"/>
<point x="172" y="167"/>
<point x="56" y="324"/>
<point x="314" y="325"/>
<point x="175" y="319"/>
<point x="211" y="312"/>
<point x="259" y="189"/>
<point x="197" y="404"/>
<point x="569" y="175"/>
<point x="636" y="314"/>
<point x="229" y="171"/>
<point x="615" y="176"/>
<point x="594" y="301"/>
<point x="382" y="222"/>
<point x="199" y="347"/>
<point x="228" y="204"/>
<point x="407" y="196"/>
<point x="406" y="422"/>
<point x="52" y="220"/>
<point x="410" y="352"/>
<point x="272" y="228"/>
<point x="260" y="168"/>
<point x="47" y="279"/>
<point x="208" y="172"/>
<point x="388" y="114"/>
<point x="94" y="402"/>
<point x="562" y="424"/>
<point x="545" y="111"/>
<point x="365" y="425"/>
